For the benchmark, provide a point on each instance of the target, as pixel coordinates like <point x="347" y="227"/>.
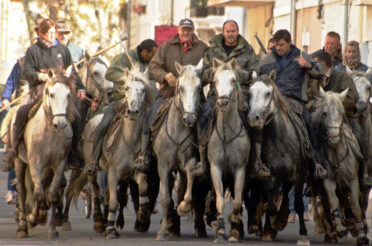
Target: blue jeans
<point x="305" y="199"/>
<point x="11" y="177"/>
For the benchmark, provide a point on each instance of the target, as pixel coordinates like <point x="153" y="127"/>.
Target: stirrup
<point x="9" y="156"/>
<point x="320" y="172"/>
<point x="92" y="168"/>
<point x="262" y="171"/>
<point x="366" y="183"/>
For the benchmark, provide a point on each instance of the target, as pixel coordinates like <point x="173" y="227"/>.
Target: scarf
<point x="353" y="64"/>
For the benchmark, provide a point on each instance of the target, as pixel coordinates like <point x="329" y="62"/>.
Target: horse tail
<point x="76" y="186"/>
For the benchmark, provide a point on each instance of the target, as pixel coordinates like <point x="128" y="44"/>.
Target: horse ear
<point x="233" y="64"/>
<point x="254" y="75"/>
<point x="216" y="63"/>
<point x="146" y="72"/>
<point x="322" y="93"/>
<point x="349" y="72"/>
<point x="199" y="67"/>
<point x="51" y="73"/>
<point x="178" y="67"/>
<point x="273" y="75"/>
<point x="344" y="94"/>
<point x="369" y="72"/>
<point x="87" y="56"/>
<point x="68" y="71"/>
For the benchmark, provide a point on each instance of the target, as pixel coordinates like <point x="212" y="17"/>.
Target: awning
<point x="238" y="3"/>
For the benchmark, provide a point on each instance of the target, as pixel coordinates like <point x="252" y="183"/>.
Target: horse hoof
<point x="162" y="237"/>
<point x="59" y="221"/>
<point x="141" y="227"/>
<point x="233" y="239"/>
<point x="22" y="233"/>
<point x="173" y="235"/>
<point x="252" y="229"/>
<point x="342" y="234"/>
<point x="214" y="224"/>
<point x="43" y="217"/>
<point x="200" y="233"/>
<point x="99" y="228"/>
<point x="362" y="241"/>
<point x="53" y="235"/>
<point x="318" y="230"/>
<point x="220" y="239"/>
<point x="112" y="234"/>
<point x="66" y="226"/>
<point x="303" y="241"/>
<point x="266" y="236"/>
<point x="183" y="209"/>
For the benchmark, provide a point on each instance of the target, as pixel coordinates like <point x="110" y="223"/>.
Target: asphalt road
<point x="82" y="230"/>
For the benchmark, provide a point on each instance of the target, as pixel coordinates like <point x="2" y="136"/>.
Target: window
<point x="198" y="8"/>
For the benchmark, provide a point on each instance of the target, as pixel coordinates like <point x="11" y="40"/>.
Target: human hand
<point x="81" y="95"/>
<point x="42" y="77"/>
<point x="304" y="63"/>
<point x="171" y="79"/>
<point x="5" y="103"/>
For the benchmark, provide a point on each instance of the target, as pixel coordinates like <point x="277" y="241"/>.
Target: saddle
<point x="113" y="133"/>
<point x="160" y="117"/>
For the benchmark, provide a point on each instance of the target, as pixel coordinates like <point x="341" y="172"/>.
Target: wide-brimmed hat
<point x="62" y="26"/>
<point x="186" y="22"/>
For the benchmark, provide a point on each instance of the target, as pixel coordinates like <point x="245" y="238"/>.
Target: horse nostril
<point x="137" y="111"/>
<point x="257" y="117"/>
<point x="55" y="126"/>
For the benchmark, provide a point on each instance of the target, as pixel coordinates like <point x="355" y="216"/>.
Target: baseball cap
<point x="62" y="26"/>
<point x="186" y="22"/>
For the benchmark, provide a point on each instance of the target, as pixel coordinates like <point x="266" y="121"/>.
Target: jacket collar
<point x="176" y="40"/>
<point x="218" y="39"/>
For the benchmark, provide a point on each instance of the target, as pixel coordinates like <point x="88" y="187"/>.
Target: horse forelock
<point x="188" y="74"/>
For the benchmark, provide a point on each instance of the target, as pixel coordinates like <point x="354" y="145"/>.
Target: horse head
<point x="92" y="75"/>
<point x="261" y="103"/>
<point x="224" y="80"/>
<point x="138" y="92"/>
<point x="188" y="91"/>
<point x="332" y="113"/>
<point x="57" y="96"/>
<point x="363" y="86"/>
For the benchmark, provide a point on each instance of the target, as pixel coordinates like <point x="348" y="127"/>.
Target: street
<point x="82" y="230"/>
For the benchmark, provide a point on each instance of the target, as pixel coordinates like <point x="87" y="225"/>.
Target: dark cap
<point x="62" y="26"/>
<point x="186" y="22"/>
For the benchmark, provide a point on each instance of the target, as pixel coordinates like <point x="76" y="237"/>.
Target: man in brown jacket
<point x="338" y="81"/>
<point x="186" y="49"/>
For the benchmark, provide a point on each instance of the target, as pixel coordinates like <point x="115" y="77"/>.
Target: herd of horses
<point x="42" y="159"/>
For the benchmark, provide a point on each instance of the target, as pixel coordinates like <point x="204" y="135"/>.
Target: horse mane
<point x="269" y="82"/>
<point x="151" y="91"/>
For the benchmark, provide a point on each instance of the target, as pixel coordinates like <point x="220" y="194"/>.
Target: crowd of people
<point x="295" y="69"/>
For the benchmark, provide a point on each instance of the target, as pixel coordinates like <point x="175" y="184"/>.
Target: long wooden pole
<point x="101" y="51"/>
<point x="13" y="102"/>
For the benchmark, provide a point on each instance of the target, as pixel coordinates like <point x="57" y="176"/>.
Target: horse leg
<point x="144" y="213"/>
<point x="327" y="219"/>
<point x="282" y="217"/>
<point x="54" y="197"/>
<point x="269" y="233"/>
<point x="97" y="211"/>
<point x="200" y="192"/>
<point x="185" y="206"/>
<point x="216" y="175"/>
<point x="253" y="200"/>
<point x="358" y="214"/>
<point x="174" y="221"/>
<point x="299" y="207"/>
<point x="20" y="169"/>
<point x="330" y="188"/>
<point x="123" y="200"/>
<point x="35" y="171"/>
<point x="111" y="231"/>
<point x="163" y="171"/>
<point x="66" y="225"/>
<point x="59" y="215"/>
<point x="235" y="217"/>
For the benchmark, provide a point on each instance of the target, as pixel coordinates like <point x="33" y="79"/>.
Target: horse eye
<point x="324" y="114"/>
<point x="95" y="73"/>
<point x="181" y="89"/>
<point x="126" y="89"/>
<point x="268" y="94"/>
<point x="52" y="95"/>
<point x="233" y="80"/>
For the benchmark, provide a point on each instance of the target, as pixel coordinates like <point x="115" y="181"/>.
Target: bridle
<point x="89" y="75"/>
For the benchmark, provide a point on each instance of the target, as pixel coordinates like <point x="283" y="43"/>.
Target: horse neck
<point x="280" y="123"/>
<point x="174" y="119"/>
<point x="229" y="121"/>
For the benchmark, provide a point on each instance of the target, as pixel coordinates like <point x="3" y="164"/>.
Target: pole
<point x="346" y="21"/>
<point x="128" y="21"/>
<point x="293" y="20"/>
<point x="172" y="12"/>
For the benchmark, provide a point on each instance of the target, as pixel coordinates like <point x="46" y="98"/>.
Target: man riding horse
<point x="186" y="49"/>
<point x="230" y="44"/>
<point x="291" y="67"/>
<point x="338" y="81"/>
<point x="141" y="56"/>
<point x="46" y="53"/>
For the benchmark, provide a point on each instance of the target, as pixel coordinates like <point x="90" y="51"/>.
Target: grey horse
<point x="174" y="145"/>
<point x="269" y="111"/>
<point x="44" y="149"/>
<point x="228" y="147"/>
<point x="140" y="94"/>
<point x="342" y="154"/>
<point x="92" y="74"/>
